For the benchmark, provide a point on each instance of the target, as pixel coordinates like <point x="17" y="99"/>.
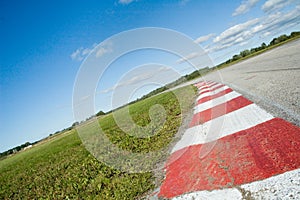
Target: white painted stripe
<point x="222" y="126"/>
<point x="206" y="85"/>
<point x="214" y="102"/>
<point x="282" y="186"/>
<point x="210" y="88"/>
<point x="203" y="87"/>
<point x="225" y="194"/>
<point x="212" y="92"/>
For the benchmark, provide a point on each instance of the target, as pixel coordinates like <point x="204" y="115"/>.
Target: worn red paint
<point x="265" y="150"/>
<point x="219" y="110"/>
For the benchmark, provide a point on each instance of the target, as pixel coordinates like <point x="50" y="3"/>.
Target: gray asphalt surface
<point x="271" y="80"/>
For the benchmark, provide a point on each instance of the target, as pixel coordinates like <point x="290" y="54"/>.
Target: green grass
<point x="61" y="168"/>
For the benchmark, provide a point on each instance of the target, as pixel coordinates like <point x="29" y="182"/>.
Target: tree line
<point x="16" y="149"/>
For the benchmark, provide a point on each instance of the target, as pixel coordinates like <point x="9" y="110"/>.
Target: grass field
<point x="62" y="168"/>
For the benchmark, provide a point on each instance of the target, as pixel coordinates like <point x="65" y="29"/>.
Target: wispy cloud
<point x="126" y="1"/>
<point x="108" y="90"/>
<point x="106" y="47"/>
<point x="138" y="78"/>
<point x="236" y="33"/>
<point x="244" y="7"/>
<point x="266" y="34"/>
<point x="204" y="38"/>
<point x="183" y="2"/>
<point x="275" y="5"/>
<point x="278" y="22"/>
<point x="241" y="34"/>
<point x="76" y="55"/>
<point x="188" y="57"/>
<point x="80" y="53"/>
<point x="82" y="100"/>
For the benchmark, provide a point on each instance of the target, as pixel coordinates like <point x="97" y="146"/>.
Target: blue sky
<point x="43" y="44"/>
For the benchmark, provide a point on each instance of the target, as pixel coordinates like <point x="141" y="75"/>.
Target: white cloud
<point x="244" y="7"/>
<point x="274" y="5"/>
<point x="258" y="28"/>
<point x="140" y="77"/>
<point x="164" y="68"/>
<point x="108" y="90"/>
<point x="106" y="47"/>
<point x="266" y="34"/>
<point x="204" y="38"/>
<point x="137" y="78"/>
<point x="125" y="1"/>
<point x="80" y="53"/>
<point x="86" y="51"/>
<point x="277" y="22"/>
<point x="243" y="43"/>
<point x="240" y="34"/>
<point x="101" y="51"/>
<point x="183" y="2"/>
<point x="76" y="55"/>
<point x="217" y="47"/>
<point x="188" y="57"/>
<point x="234" y="32"/>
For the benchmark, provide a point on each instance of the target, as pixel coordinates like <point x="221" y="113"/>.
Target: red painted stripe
<point x="254" y="154"/>
<point x="209" y="86"/>
<point x="202" y="83"/>
<point x="208" y="98"/>
<point x="205" y="87"/>
<point x="219" y="110"/>
<point x="199" y="84"/>
<point x="211" y="89"/>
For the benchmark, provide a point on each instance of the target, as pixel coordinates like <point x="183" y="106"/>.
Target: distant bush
<point x="15" y="149"/>
<point x="100" y="113"/>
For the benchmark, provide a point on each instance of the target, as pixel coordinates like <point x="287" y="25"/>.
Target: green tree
<point x="283" y="38"/>
<point x="274" y="41"/>
<point x="236" y="57"/>
<point x="245" y="53"/>
<point x="100" y="113"/>
<point x="75" y="124"/>
<point x="294" y="34"/>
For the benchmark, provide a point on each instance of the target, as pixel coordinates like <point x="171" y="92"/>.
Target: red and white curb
<point x="233" y="149"/>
